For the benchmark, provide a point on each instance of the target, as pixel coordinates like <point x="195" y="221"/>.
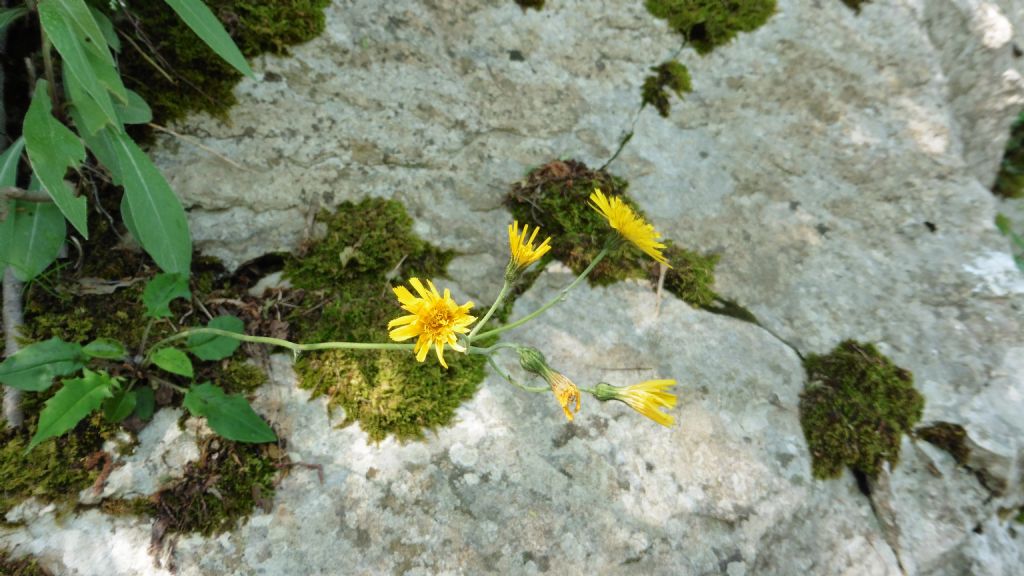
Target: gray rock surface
<point x="812" y="155"/>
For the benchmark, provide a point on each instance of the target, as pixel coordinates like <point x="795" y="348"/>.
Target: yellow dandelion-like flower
<point x="628" y="224"/>
<point x="434" y="319"/>
<point x="565" y="392"/>
<point x="523" y="252"/>
<point x="646" y="398"/>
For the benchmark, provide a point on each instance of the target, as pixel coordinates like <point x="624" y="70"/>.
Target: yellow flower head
<point x="628" y="224"/>
<point x="645" y="397"/>
<point x="523" y="252"/>
<point x="433" y="318"/>
<point x="565" y="392"/>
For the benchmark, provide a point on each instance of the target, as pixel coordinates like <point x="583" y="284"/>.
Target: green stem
<point x="561" y="296"/>
<point x="284" y="343"/>
<point x="535" y="389"/>
<point x="489" y="349"/>
<point x="490" y="311"/>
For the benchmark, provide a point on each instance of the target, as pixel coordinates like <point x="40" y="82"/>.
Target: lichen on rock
<point x="855" y="409"/>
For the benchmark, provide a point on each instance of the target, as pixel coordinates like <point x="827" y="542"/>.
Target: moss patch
<point x="535" y="4"/>
<point x="707" y="24"/>
<point x="102" y="298"/>
<point x="950" y="437"/>
<point x="199" y="79"/>
<point x="855" y="409"/>
<point x="667" y="76"/>
<point x="346" y="279"/>
<point x="57" y="469"/>
<point x="555" y="197"/>
<point x="855" y="4"/>
<point x="222" y="487"/>
<point x="26" y="566"/>
<point x="1010" y="180"/>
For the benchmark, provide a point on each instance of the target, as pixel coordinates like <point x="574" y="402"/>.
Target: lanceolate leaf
<point x="8" y="15"/>
<point x="9" y="162"/>
<point x="8" y="177"/>
<point x="77" y="399"/>
<point x="206" y="26"/>
<point x="230" y="416"/>
<point x="75" y="55"/>
<point x="156" y="213"/>
<point x="107" y="27"/>
<point x="135" y="110"/>
<point x="145" y="402"/>
<point x="52" y="149"/>
<point x="105" y="348"/>
<point x="34" y="367"/>
<point x="81" y="17"/>
<point x="34" y="232"/>
<point x="161" y="291"/>
<point x="89" y="117"/>
<point x="119" y="406"/>
<point x="211" y="347"/>
<point x="174" y="361"/>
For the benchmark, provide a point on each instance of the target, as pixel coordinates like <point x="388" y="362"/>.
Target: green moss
<point x="1010" y="180"/>
<point x="57" y="469"/>
<point x="240" y="377"/>
<point x="670" y="75"/>
<point x="535" y="4"/>
<point x="555" y="197"/>
<point x="855" y="4"/>
<point x="25" y="566"/>
<point x="199" y="79"/>
<point x="707" y="24"/>
<point x="950" y="437"/>
<point x="855" y="409"/>
<point x="347" y="278"/>
<point x="220" y="488"/>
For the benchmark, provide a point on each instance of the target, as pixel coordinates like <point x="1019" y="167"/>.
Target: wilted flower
<point x="532" y="360"/>
<point x="645" y="397"/>
<point x="628" y="224"/>
<point x="433" y="318"/>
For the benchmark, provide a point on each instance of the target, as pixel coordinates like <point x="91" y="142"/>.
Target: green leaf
<point x="89" y="117"/>
<point x="161" y="291"/>
<point x="145" y="402"/>
<point x="174" y="361"/>
<point x="76" y="56"/>
<point x="52" y="149"/>
<point x="1003" y="224"/>
<point x="34" y="367"/>
<point x="105" y="348"/>
<point x="81" y="18"/>
<point x="230" y="416"/>
<point x="119" y="406"/>
<point x="135" y="111"/>
<point x="206" y="26"/>
<point x="77" y="399"/>
<point x="102" y="146"/>
<point x="213" y="347"/>
<point x="33" y="233"/>
<point x="155" y="211"/>
<point x="9" y="162"/>
<point x="8" y="15"/>
<point x="107" y="27"/>
<point x="107" y="75"/>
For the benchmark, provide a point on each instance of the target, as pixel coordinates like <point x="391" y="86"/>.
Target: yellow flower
<point x="631" y="226"/>
<point x="523" y="252"/>
<point x="645" y="397"/>
<point x="565" y="392"/>
<point x="435" y="319"/>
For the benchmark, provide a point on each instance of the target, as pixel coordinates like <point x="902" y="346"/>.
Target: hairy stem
<point x="561" y="296"/>
<point x="490" y="311"/>
<point x="12" y="323"/>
